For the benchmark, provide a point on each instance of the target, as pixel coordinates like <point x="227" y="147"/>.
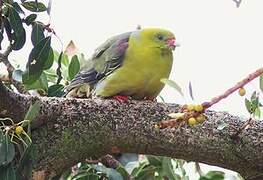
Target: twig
<point x="206" y="105"/>
<point x="198" y="169"/>
<point x="243" y="127"/>
<point x="10" y="68"/>
<point x="239" y="85"/>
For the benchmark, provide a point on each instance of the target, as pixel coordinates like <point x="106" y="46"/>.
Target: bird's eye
<point x="160" y="37"/>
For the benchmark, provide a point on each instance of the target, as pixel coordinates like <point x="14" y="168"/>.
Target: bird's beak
<point x="171" y="43"/>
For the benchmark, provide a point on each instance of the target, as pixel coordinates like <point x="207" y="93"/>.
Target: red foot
<point x="121" y="99"/>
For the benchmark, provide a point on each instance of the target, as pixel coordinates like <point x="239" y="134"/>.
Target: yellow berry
<point x="190" y="107"/>
<point x="199" y="108"/>
<point x="19" y="130"/>
<point x="242" y="91"/>
<point x="200" y="118"/>
<point x="192" y="121"/>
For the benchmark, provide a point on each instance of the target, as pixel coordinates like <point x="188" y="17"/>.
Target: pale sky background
<point x="220" y="44"/>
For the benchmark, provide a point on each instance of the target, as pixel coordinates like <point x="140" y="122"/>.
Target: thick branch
<point x="70" y="130"/>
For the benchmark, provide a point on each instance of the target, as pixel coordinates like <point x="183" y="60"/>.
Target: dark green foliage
<point x="55" y="90"/>
<point x="7" y="149"/>
<point x="213" y="175"/>
<point x="30" y="19"/>
<point x="37" y="33"/>
<point x="36" y="61"/>
<point x="34" y="6"/>
<point x="74" y="67"/>
<point x="19" y="35"/>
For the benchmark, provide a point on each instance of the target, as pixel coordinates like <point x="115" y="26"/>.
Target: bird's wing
<point x="107" y="58"/>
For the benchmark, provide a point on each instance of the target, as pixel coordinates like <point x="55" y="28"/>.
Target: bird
<point x="128" y="65"/>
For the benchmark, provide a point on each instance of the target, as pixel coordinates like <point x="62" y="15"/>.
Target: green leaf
<point x="8" y="173"/>
<point x="155" y="160"/>
<point x="40" y="83"/>
<point x="58" y="71"/>
<point x="254" y="102"/>
<point x="7" y="149"/>
<point x="261" y="82"/>
<point x="17" y="26"/>
<point x="33" y="111"/>
<point x="34" y="6"/>
<point x="8" y="29"/>
<point x="136" y="167"/>
<point x="30" y="19"/>
<point x="257" y="112"/>
<point x="248" y="106"/>
<point x="25" y="165"/>
<point x="20" y="40"/>
<point x="37" y="33"/>
<point x="36" y="61"/>
<point x="50" y="60"/>
<point x="28" y="78"/>
<point x="85" y="176"/>
<point x="123" y="172"/>
<point x="17" y="75"/>
<point x="55" y="90"/>
<point x="65" y="60"/>
<point x="15" y="20"/>
<point x="51" y="75"/>
<point x="168" y="170"/>
<point x="130" y="166"/>
<point x="146" y="174"/>
<point x="213" y="175"/>
<point x="18" y="8"/>
<point x="173" y="85"/>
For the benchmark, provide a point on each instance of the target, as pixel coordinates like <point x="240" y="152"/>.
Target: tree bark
<point x="67" y="131"/>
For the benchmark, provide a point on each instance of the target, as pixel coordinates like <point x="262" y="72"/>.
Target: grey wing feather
<point x="106" y="58"/>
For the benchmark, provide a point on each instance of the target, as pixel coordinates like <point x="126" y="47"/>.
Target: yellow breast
<point x="140" y="74"/>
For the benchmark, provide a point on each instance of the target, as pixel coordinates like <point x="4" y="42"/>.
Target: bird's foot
<point x="121" y="99"/>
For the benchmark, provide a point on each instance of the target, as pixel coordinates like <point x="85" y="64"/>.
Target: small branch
<point x="188" y="114"/>
<point x="198" y="169"/>
<point x="242" y="128"/>
<point x="10" y="69"/>
<point x="239" y="85"/>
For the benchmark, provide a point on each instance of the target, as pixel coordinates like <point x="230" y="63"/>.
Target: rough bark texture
<point x="69" y="130"/>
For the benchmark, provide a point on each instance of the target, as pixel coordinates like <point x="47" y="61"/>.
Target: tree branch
<point x="70" y="130"/>
<point x="4" y="59"/>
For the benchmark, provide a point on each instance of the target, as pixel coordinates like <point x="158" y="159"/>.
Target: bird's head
<point x="159" y="38"/>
